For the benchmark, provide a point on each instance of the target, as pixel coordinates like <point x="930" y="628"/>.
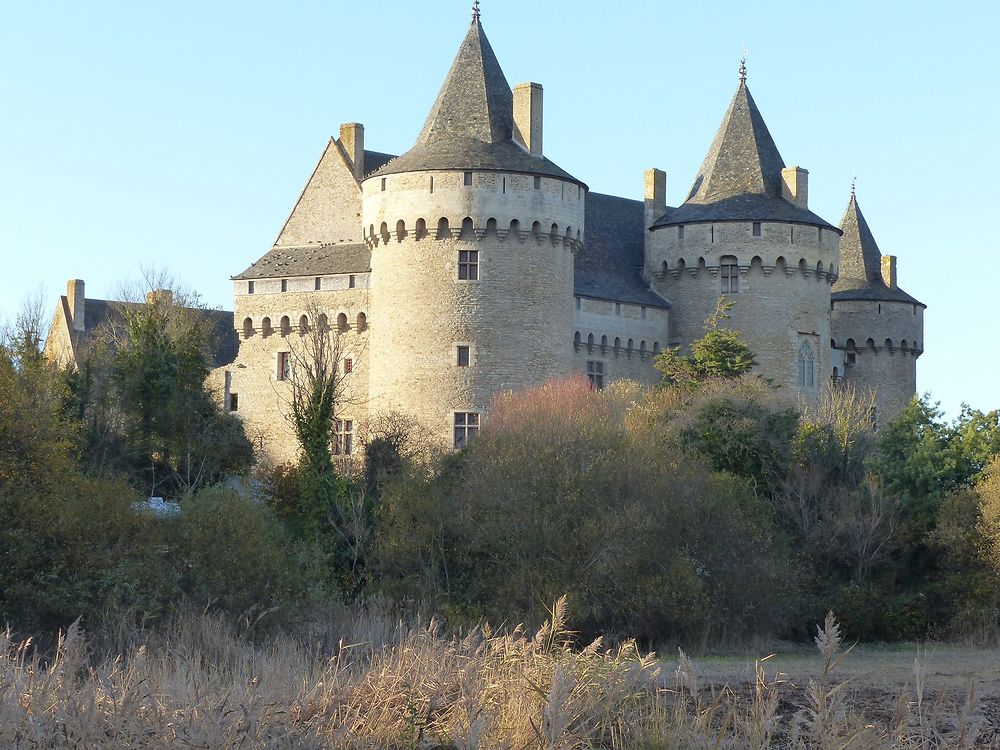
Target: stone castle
<point x="472" y="264"/>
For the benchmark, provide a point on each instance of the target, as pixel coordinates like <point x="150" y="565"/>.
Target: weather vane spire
<point x="743" y="67"/>
<point x="475" y="11"/>
<point x="854" y="181"/>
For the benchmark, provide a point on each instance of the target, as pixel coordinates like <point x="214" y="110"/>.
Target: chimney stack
<point x="795" y="186"/>
<point x="77" y="304"/>
<point x="528" y="116"/>
<point x="655" y="195"/>
<point x="352" y="138"/>
<point x="163" y="296"/>
<point x="889" y="270"/>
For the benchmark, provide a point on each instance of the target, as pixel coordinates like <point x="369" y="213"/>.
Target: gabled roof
<point x="471" y="125"/>
<point x="861" y="262"/>
<point x="609" y="265"/>
<point x="740" y="178"/>
<point x="310" y="260"/>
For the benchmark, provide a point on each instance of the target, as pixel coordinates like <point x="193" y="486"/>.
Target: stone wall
<point x="624" y="337"/>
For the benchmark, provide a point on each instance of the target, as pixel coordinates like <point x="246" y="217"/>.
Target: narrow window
<point x="284" y="285"/>
<point x="348" y="365"/>
<point x="642" y="312"/>
<point x="680" y="232"/>
<point x="466" y="427"/>
<point x="318" y="284"/>
<point x="791" y="235"/>
<point x="343" y="430"/>
<point x="595" y="374"/>
<point x="805" y="375"/>
<point x="432" y="183"/>
<point x="578" y="303"/>
<point x="730" y="273"/>
<point x="538" y="182"/>
<point x="249" y="287"/>
<point x="284" y="365"/>
<point x="383" y="184"/>
<point x="713" y="233"/>
<point x="618" y="308"/>
<point x="468" y="179"/>
<point x="234" y="402"/>
<point x="351" y="281"/>
<point x="756" y="229"/>
<point x="468" y="265"/>
<point x="463" y="356"/>
<point x="504" y="187"/>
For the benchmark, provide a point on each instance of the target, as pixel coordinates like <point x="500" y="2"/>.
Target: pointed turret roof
<point x="861" y="262"/>
<point x="471" y="125"/>
<point x="740" y="178"/>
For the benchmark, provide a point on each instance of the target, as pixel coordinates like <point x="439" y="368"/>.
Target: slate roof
<point x="375" y="160"/>
<point x="310" y="260"/>
<point x="225" y="342"/>
<point x="609" y="264"/>
<point x="861" y="262"/>
<point x="471" y="125"/>
<point x="740" y="178"/>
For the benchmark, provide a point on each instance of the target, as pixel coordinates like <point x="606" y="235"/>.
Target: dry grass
<point x="390" y="685"/>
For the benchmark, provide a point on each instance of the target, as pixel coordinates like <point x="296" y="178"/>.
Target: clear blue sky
<point x="178" y="135"/>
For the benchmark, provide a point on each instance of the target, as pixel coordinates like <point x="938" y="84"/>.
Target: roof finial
<point x="743" y="66"/>
<point x="854" y="181"/>
<point x="475" y="11"/>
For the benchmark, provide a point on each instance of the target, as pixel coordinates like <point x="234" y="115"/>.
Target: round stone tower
<point x="745" y="232"/>
<point x="473" y="234"/>
<point x="877" y="328"/>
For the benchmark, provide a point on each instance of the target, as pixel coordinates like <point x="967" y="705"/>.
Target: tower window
<point x="538" y="182"/>
<point x="578" y="303"/>
<point x="284" y="285"/>
<point x="756" y="229"/>
<point x="595" y="374"/>
<point x="351" y="281"/>
<point x="318" y="284"/>
<point x="383" y="184"/>
<point x="463" y="355"/>
<point x="234" y="402"/>
<point x="249" y="287"/>
<point x="730" y="273"/>
<point x="805" y="375"/>
<point x="432" y="183"/>
<point x="618" y="308"/>
<point x="468" y="265"/>
<point x="348" y="365"/>
<point x="284" y="365"/>
<point x="343" y="431"/>
<point x="466" y="427"/>
<point x="468" y="179"/>
<point x="680" y="232"/>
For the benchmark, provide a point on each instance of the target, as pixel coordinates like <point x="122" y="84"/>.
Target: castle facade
<point x="472" y="264"/>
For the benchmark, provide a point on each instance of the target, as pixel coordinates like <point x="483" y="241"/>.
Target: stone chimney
<point x="795" y="186"/>
<point x="655" y="195"/>
<point x="889" y="270"/>
<point x="528" y="116"/>
<point x="77" y="304"/>
<point x="352" y="138"/>
<point x="163" y="296"/>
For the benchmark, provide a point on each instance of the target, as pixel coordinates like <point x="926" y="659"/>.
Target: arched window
<point x="468" y="230"/>
<point x="247" y="328"/>
<point x="342" y="323"/>
<point x="384" y="231"/>
<point x="286" y="325"/>
<point x="590" y="342"/>
<point x="400" y="230"/>
<point x="806" y="367"/>
<point x="642" y="349"/>
<point x="304" y="324"/>
<point x="421" y="229"/>
<point x="444" y="232"/>
<point x="515" y="230"/>
<point x="576" y="340"/>
<point x="491" y="227"/>
<point x="536" y="230"/>
<point x="265" y="327"/>
<point x="323" y="322"/>
<point x="604" y="344"/>
<point x="362" y="322"/>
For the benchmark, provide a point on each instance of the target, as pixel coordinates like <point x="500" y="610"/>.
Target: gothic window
<point x="466" y="427"/>
<point x="730" y="273"/>
<point x="343" y="431"/>
<point x="595" y="374"/>
<point x="468" y="265"/>
<point x="806" y="367"/>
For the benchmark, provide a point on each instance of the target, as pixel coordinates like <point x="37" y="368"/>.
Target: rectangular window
<point x="466" y="427"/>
<point x="432" y="183"/>
<point x="618" y="308"/>
<point x="249" y="287"/>
<point x="284" y="365"/>
<point x="463" y="356"/>
<point x="595" y="374"/>
<point x="680" y="232"/>
<point x="578" y="303"/>
<point x="468" y="265"/>
<point x="284" y="285"/>
<point x="538" y="182"/>
<point x="343" y="431"/>
<point x="348" y="365"/>
<point x="730" y="273"/>
<point x="383" y="184"/>
<point x="642" y="312"/>
<point x="318" y="284"/>
<point x="234" y="402"/>
<point x="756" y="229"/>
<point x="351" y="281"/>
<point x="468" y="179"/>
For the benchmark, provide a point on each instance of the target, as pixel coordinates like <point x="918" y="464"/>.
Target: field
<point x="366" y="681"/>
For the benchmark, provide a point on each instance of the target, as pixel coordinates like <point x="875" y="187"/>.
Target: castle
<point x="472" y="264"/>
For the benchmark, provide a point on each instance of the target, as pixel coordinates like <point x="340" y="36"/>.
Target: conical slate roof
<point x="740" y="178"/>
<point x="861" y="262"/>
<point x="471" y="125"/>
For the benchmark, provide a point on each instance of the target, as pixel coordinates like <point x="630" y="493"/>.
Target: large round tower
<point x="473" y="234"/>
<point x="745" y="232"/>
<point x="877" y="328"/>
